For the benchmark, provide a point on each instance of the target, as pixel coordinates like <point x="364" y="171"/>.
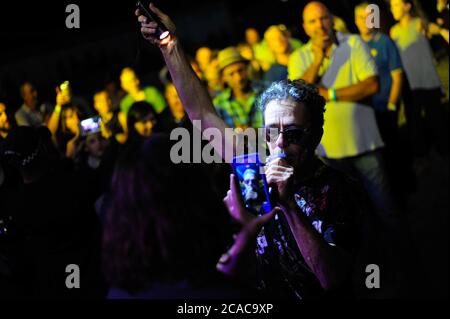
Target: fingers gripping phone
<point x="252" y="182"/>
<point x="162" y="32"/>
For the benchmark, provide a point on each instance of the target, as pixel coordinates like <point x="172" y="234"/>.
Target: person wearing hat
<point x="236" y="103"/>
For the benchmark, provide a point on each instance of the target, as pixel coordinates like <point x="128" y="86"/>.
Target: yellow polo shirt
<point x="350" y="128"/>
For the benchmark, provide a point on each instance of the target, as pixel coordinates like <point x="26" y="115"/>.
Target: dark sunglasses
<point x="291" y="135"/>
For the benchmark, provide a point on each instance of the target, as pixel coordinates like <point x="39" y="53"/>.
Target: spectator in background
<point x="203" y="56"/>
<point x="115" y="93"/>
<point x="252" y="36"/>
<point x="112" y="121"/>
<point x="385" y="102"/>
<point x="441" y="27"/>
<point x="30" y="113"/>
<point x="256" y="71"/>
<point x="141" y="122"/>
<point x="164" y="228"/>
<point x="89" y="166"/>
<point x="346" y="73"/>
<point x="174" y="116"/>
<point x="265" y="55"/>
<point x="212" y="77"/>
<point x="339" y="24"/>
<point x="131" y="84"/>
<point x="260" y="49"/>
<point x="236" y="103"/>
<point x="423" y="80"/>
<point x="67" y="134"/>
<point x="58" y="227"/>
<point x="277" y="40"/>
<point x="5" y="126"/>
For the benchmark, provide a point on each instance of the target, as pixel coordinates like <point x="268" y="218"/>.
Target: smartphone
<point x="90" y="125"/>
<point x="252" y="182"/>
<point x="161" y="31"/>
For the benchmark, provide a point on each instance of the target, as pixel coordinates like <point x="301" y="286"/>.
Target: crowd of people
<point x="111" y="201"/>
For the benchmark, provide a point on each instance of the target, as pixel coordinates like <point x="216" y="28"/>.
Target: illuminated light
<point x="164" y="35"/>
<point x="165" y="40"/>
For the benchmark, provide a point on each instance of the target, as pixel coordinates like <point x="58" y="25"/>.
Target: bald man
<point x="343" y="68"/>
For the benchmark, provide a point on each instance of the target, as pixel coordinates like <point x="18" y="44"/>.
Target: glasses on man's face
<point x="291" y="135"/>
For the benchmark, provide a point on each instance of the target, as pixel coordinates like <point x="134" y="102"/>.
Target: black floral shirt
<point x="334" y="204"/>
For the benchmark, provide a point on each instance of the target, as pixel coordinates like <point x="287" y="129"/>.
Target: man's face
<point x="399" y="9"/>
<point x="282" y="115"/>
<point x="251" y="36"/>
<point x="318" y="22"/>
<point x="102" y="102"/>
<point x="277" y="41"/>
<point x="360" y="21"/>
<point x="129" y="81"/>
<point x="4" y="123"/>
<point x="235" y="76"/>
<point x="29" y="94"/>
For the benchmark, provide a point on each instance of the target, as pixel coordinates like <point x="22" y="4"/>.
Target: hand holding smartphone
<point x="252" y="182"/>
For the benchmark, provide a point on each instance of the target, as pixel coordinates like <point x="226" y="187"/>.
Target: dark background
<point x="35" y="44"/>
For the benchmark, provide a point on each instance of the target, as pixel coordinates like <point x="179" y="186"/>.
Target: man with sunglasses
<point x="305" y="247"/>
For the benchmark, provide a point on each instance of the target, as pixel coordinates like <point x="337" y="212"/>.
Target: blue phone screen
<point x="252" y="182"/>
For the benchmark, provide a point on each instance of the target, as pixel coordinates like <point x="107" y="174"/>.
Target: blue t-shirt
<point x="387" y="59"/>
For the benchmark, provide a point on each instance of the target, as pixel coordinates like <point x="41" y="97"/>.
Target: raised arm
<point x="192" y="92"/>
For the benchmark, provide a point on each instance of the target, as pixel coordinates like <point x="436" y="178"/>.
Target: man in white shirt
<point x="341" y="65"/>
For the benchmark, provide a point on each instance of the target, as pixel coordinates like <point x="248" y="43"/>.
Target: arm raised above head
<point x="193" y="94"/>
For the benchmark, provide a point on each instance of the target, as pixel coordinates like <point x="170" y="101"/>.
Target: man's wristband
<point x="332" y="95"/>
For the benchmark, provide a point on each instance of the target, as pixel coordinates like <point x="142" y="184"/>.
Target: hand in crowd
<point x="61" y="97"/>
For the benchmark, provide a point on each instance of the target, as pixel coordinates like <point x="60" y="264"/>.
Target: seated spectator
<point x="131" y="84"/>
<point x="161" y="238"/>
